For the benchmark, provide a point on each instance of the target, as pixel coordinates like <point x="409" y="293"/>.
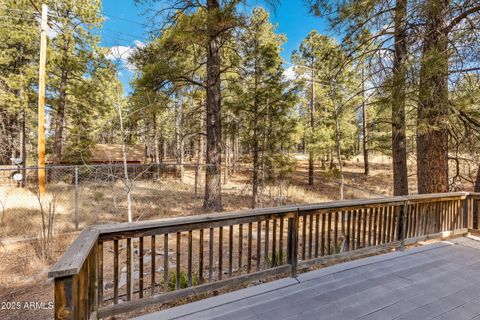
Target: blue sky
<point x="123" y="28"/>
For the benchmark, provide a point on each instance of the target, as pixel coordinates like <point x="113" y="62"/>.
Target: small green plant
<point x="183" y="280"/>
<point x="276" y="259"/>
<point x="98" y="196"/>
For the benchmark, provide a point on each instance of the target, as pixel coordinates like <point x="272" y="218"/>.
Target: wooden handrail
<point x="352" y="226"/>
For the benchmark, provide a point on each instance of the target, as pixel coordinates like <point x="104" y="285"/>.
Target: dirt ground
<point x="23" y="270"/>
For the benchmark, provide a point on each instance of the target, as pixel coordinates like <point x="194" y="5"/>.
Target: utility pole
<point x="41" y="102"/>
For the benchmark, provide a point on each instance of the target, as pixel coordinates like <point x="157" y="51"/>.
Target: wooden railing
<point x="117" y="268"/>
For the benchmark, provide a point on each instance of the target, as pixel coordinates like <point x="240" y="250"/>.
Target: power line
<point x="36" y="8"/>
<point x="126" y="20"/>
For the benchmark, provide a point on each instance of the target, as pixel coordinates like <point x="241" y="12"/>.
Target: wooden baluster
<point x="153" y="254"/>
<point x="410" y="218"/>
<point x="359" y="227"/>
<point x="354" y="227"/>
<point x="140" y="268"/>
<point x="259" y="244"/>
<point x="165" y="261"/>
<point x="329" y="234"/>
<point x="274" y="243"/>
<point x="395" y="221"/>
<point x="178" y="261"/>
<point x="441" y="218"/>
<point x="375" y="225"/>
<point x="335" y="233"/>
<point x="389" y="224"/>
<point x="220" y="252"/>
<point x="317" y="233"/>
<point x="115" y="272"/>
<point x="384" y="228"/>
<point x="380" y="224"/>
<point x="210" y="256"/>
<point x="100" y="273"/>
<point x="200" y="257"/>
<point x="310" y="237"/>
<point x="249" y="249"/>
<point x="364" y="228"/>
<point x="348" y="235"/>
<point x="419" y="220"/>
<point x="322" y="242"/>
<point x="230" y="251"/>
<point x="451" y="208"/>
<point x="395" y="214"/>
<point x="304" y="236"/>
<point x="129" y="269"/>
<point x="240" y="247"/>
<point x="280" y="242"/>
<point x="451" y="217"/>
<point x="412" y="207"/>
<point x="455" y="217"/>
<point x="392" y="221"/>
<point x="459" y="213"/>
<point x="443" y="214"/>
<point x="426" y="218"/>
<point x="189" y="260"/>
<point x="267" y="242"/>
<point x="370" y="226"/>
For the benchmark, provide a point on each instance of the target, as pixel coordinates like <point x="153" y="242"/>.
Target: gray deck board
<point x="439" y="281"/>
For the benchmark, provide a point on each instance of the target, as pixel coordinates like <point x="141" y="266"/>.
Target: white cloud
<point x="139" y="44"/>
<point x="290" y="74"/>
<point x="121" y="54"/>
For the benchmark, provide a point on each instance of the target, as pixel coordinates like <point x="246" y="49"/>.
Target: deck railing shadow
<point x="118" y="268"/>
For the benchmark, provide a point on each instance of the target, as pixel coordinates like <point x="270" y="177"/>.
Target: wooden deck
<point x="436" y="281"/>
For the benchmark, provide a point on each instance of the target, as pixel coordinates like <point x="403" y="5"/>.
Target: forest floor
<point x="23" y="271"/>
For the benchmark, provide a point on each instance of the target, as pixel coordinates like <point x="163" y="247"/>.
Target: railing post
<point x="64" y="297"/>
<point x="402" y="223"/>
<point x="293" y="243"/>
<point x="472" y="207"/>
<point x="467" y="213"/>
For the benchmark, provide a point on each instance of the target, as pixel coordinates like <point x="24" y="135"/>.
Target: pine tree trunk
<point x="366" y="164"/>
<point x="432" y="133"/>
<point x="156" y="141"/>
<point x="213" y="172"/>
<point x="312" y="127"/>
<point x="339" y="152"/>
<point x="60" y="119"/>
<point x="255" y="167"/>
<point x="399" y="145"/>
<point x="255" y="147"/>
<point x="23" y="147"/>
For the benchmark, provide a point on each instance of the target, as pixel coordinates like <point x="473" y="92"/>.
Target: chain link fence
<point x="81" y="195"/>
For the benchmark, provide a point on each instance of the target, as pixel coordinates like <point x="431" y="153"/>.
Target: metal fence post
<point x="77" y="204"/>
